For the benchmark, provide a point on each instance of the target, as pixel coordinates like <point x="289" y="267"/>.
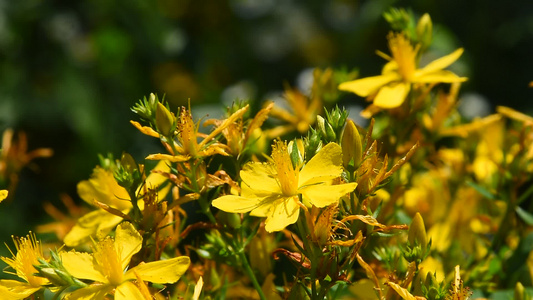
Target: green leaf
<point x="524" y="215"/>
<point x="483" y="191"/>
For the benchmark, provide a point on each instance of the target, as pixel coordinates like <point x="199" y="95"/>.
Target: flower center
<point x="404" y="54"/>
<point x="108" y="258"/>
<point x="287" y="174"/>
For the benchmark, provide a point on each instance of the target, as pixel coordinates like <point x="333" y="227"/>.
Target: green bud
<point x="326" y="129"/>
<point x="424" y="30"/>
<point x="520" y="292"/>
<point x="352" y="148"/>
<point x="229" y="219"/>
<point x="127" y="173"/>
<point x="312" y="143"/>
<point x="337" y="118"/>
<point x="164" y="120"/>
<point x="295" y="148"/>
<point x="51" y="274"/>
<point x="417" y="232"/>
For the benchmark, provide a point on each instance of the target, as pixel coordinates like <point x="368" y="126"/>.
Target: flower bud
<point x="164" y="120"/>
<point x="424" y="30"/>
<point x="352" y="148"/>
<point x="326" y="129"/>
<point x="417" y="232"/>
<point x="520" y="292"/>
<point x="312" y="143"/>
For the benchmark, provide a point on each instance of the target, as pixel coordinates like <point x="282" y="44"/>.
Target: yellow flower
<point x="302" y="113"/>
<point x="103" y="187"/>
<point x="29" y="250"/>
<point x="108" y="267"/>
<point x="272" y="189"/>
<point x="3" y="195"/>
<point x="187" y="146"/>
<point x="392" y="86"/>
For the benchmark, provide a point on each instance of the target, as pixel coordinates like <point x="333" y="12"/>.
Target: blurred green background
<point x="70" y="70"/>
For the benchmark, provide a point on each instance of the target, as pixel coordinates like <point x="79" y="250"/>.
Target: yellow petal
<point x="236" y="204"/>
<point x="443" y="76"/>
<point x="15" y="290"/>
<point x="103" y="187"/>
<point x="258" y="176"/>
<point x="322" y="195"/>
<point x="145" y="129"/>
<point x="369" y="85"/>
<point x="392" y="96"/>
<point x="81" y="266"/>
<point x="91" y="224"/>
<point x="129" y="240"/>
<point x="128" y="291"/>
<point x="161" y="271"/>
<point x="89" y="293"/>
<point x="3" y="195"/>
<point x="198" y="289"/>
<point x="324" y="166"/>
<point x="283" y="213"/>
<point x="156" y="179"/>
<point x="401" y="291"/>
<point x="172" y="158"/>
<point x="443" y="62"/>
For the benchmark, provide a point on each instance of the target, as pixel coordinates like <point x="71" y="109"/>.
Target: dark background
<point x="71" y="70"/>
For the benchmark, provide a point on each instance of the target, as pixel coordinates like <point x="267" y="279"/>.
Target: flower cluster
<point x="421" y="203"/>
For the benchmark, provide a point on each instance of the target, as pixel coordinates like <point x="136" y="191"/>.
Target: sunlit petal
<point x="129" y="240"/>
<point x="283" y="214"/>
<point x="260" y="177"/>
<point x="89" y="225"/>
<point x="14" y="290"/>
<point x="392" y="96"/>
<point x="161" y="271"/>
<point x="236" y="204"/>
<point x="322" y="195"/>
<point x="171" y="158"/>
<point x="443" y="62"/>
<point x="369" y="85"/>
<point x="443" y="76"/>
<point x="324" y="166"/>
<point x="81" y="265"/>
<point x="128" y="291"/>
<point x="97" y="291"/>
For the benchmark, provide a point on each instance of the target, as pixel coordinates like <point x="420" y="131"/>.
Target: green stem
<point x="251" y="274"/>
<point x="240" y="250"/>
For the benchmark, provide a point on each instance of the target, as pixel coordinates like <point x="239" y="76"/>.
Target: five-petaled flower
<point x="273" y="189"/>
<point x="108" y="267"/>
<point x="391" y="87"/>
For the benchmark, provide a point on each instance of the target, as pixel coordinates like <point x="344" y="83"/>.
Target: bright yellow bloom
<point x="29" y="250"/>
<point x="272" y="189"/>
<point x="108" y="267"/>
<point x="392" y="86"/>
<point x="103" y="187"/>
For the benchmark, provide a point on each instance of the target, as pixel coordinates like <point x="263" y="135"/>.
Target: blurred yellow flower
<point x="187" y="146"/>
<point x="3" y="195"/>
<point x="272" y="189"/>
<point x="103" y="187"/>
<point x="29" y="250"/>
<point x="109" y="268"/>
<point x="392" y="86"/>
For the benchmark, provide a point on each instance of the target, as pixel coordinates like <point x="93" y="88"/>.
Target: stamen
<point x="287" y="174"/>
